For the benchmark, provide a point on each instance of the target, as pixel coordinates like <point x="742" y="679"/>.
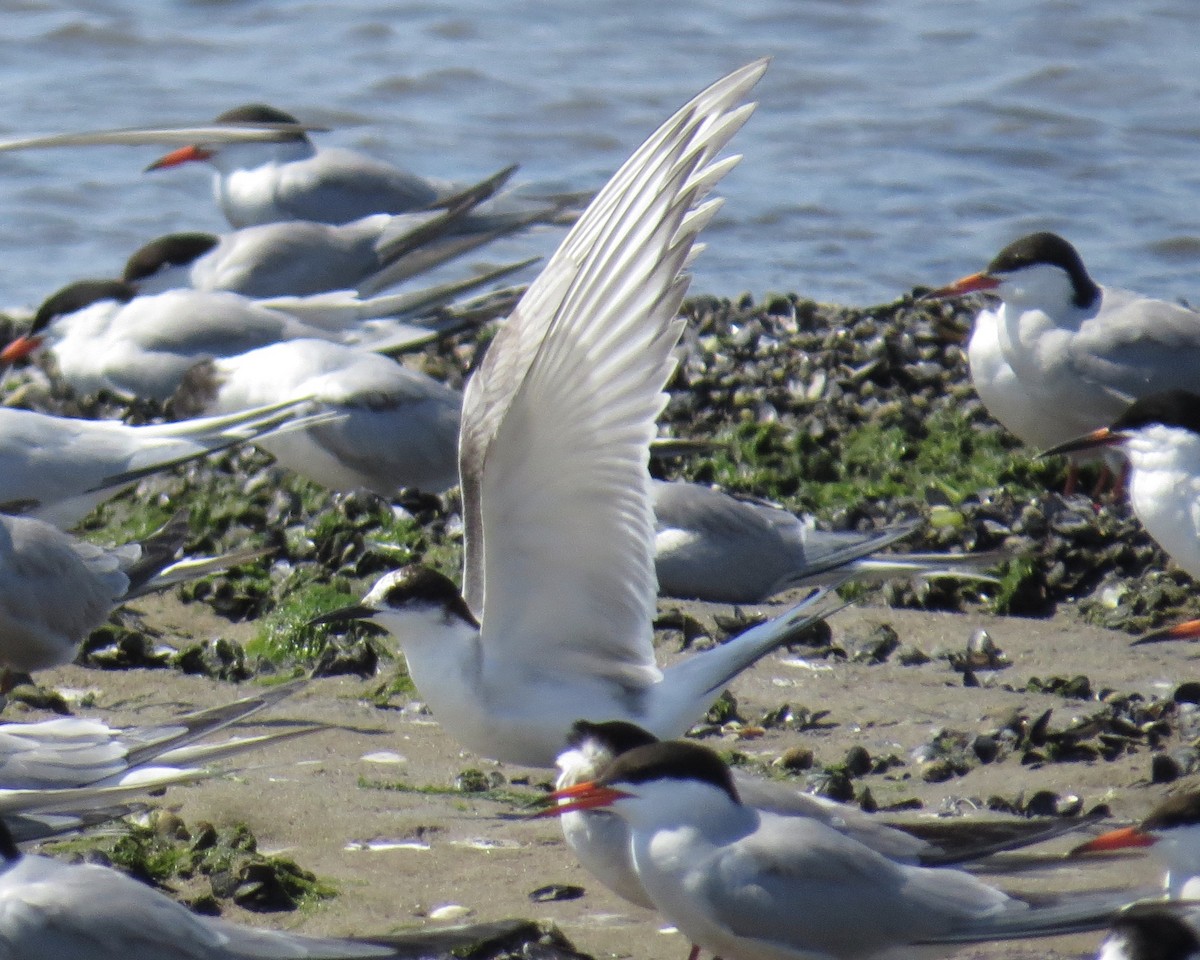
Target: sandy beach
<point x="451" y="855"/>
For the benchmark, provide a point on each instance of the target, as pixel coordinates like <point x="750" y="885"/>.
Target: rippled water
<point x="899" y="141"/>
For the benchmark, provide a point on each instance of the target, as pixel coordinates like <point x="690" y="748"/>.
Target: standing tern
<point x="1160" y="436"/>
<point x="754" y="885"/>
<point x="290" y="179"/>
<point x="600" y="839"/>
<point x="299" y="257"/>
<point x="58" y="469"/>
<point x="1084" y="351"/>
<point x="556" y="623"/>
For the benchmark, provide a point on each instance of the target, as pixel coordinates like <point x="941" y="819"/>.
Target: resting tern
<point x="556" y="623"/>
<point x="299" y="257"/>
<point x="712" y="546"/>
<point x="58" y="469"/>
<point x="1083" y="351"/>
<point x="56" y="588"/>
<point x="1172" y="835"/>
<point x="103" y="336"/>
<point x="755" y="885"/>
<point x="76" y="765"/>
<point x="50" y="910"/>
<point x="394" y="428"/>
<point x="290" y="179"/>
<point x="600" y="839"/>
<point x="391" y="428"/>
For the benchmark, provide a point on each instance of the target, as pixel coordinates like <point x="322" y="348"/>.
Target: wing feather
<point x="558" y="420"/>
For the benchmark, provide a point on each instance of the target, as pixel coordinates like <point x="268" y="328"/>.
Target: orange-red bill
<point x="1121" y="839"/>
<point x="583" y="796"/>
<point x="975" y="283"/>
<point x="1188" y="630"/>
<point x="176" y="157"/>
<point x="19" y="349"/>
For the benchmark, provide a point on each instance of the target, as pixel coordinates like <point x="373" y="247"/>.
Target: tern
<point x="1083" y="352"/>
<point x="556" y="622"/>
<point x="713" y="546"/>
<point x="58" y="469"/>
<point x="600" y="839"/>
<point x="50" y="910"/>
<point x="755" y="885"/>
<point x="300" y="257"/>
<point x="391" y="427"/>
<point x="1160" y="436"/>
<point x="104" y="336"/>
<point x="77" y="766"/>
<point x="290" y="179"/>
<point x="55" y="588"/>
<point x="1171" y="833"/>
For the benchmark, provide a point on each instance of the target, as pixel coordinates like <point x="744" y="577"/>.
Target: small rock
<point x="1164" y="768"/>
<point x="796" y="758"/>
<point x="1187" y="692"/>
<point x="857" y="762"/>
<point x="556" y="891"/>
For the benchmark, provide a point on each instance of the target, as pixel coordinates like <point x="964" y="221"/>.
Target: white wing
<point x="558" y="421"/>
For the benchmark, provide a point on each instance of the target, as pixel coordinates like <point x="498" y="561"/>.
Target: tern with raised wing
<point x="556" y="621"/>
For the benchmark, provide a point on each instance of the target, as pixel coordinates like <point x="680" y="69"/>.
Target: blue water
<point x="899" y="142"/>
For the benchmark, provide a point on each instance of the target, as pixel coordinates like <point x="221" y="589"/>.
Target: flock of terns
<point x="280" y="333"/>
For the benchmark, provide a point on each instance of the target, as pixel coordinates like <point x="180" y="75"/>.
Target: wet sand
<point x="309" y="797"/>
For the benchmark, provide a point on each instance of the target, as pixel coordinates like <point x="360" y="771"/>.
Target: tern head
<point x="1041" y="270"/>
<point x="591" y="747"/>
<point x="1172" y="409"/>
<point x="172" y="250"/>
<point x="1151" y="930"/>
<point x="223" y="155"/>
<point x="644" y="770"/>
<point x="70" y="299"/>
<point x="1172" y="831"/>
<point x="409" y="602"/>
